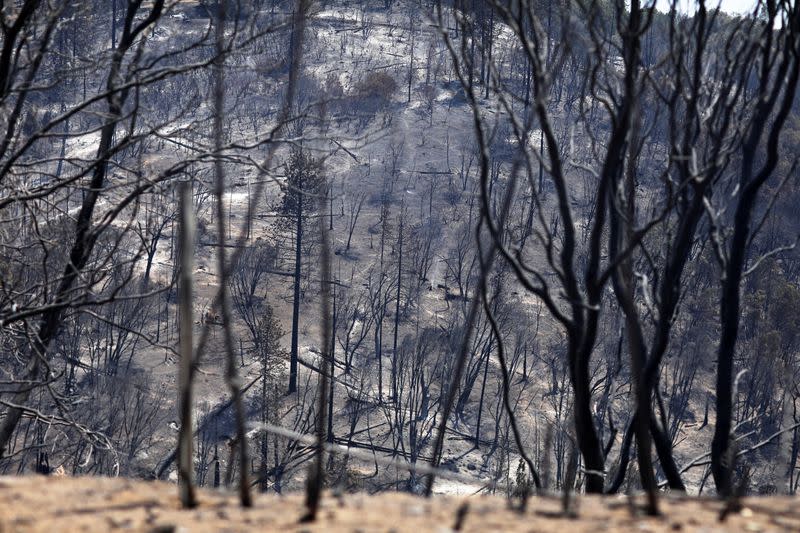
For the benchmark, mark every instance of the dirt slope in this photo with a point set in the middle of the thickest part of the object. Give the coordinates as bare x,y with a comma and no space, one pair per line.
102,504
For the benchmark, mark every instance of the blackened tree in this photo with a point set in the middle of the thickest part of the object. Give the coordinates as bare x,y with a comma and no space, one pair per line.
304,184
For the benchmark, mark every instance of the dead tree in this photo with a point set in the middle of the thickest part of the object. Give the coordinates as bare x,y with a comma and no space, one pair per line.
185,466
50,314
777,60
231,373
300,204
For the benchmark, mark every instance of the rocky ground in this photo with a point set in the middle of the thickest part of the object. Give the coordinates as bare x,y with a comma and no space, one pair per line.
29,504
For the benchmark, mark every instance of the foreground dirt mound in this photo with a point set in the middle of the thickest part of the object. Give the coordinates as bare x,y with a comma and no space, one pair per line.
101,504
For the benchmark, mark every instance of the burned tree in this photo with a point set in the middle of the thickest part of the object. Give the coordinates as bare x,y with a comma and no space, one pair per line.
303,187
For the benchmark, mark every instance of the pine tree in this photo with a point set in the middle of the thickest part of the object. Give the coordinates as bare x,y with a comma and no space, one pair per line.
271,355
305,186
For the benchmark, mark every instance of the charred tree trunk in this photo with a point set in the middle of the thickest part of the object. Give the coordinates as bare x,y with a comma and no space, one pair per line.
296,301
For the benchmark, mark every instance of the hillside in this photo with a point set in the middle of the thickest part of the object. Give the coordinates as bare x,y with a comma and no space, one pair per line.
532,243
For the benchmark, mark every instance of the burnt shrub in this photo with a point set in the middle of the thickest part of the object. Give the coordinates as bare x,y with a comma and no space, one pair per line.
374,92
